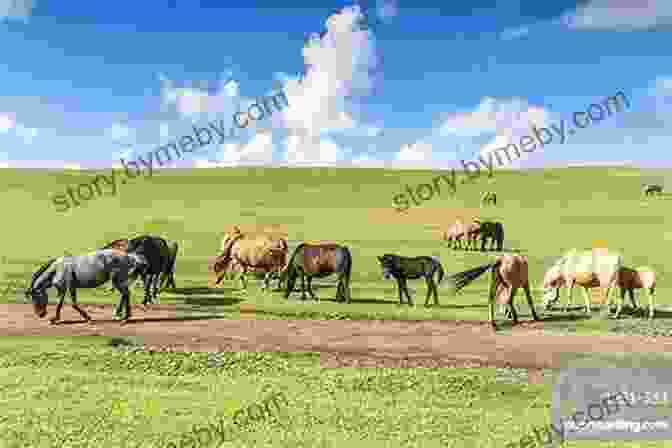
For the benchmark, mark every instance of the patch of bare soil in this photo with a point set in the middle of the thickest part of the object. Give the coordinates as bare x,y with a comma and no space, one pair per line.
340,343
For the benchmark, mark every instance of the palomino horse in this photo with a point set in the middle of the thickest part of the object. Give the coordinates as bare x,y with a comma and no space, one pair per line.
405,268
320,260
640,278
589,269
85,271
261,253
509,272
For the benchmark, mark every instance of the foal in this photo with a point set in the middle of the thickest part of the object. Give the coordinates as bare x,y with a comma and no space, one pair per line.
405,268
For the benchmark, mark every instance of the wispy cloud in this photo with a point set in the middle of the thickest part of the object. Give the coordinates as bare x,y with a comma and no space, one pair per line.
620,15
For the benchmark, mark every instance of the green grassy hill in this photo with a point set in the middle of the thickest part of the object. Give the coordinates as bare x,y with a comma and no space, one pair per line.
545,213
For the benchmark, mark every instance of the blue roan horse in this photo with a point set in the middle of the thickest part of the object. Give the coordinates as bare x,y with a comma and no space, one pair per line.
85,271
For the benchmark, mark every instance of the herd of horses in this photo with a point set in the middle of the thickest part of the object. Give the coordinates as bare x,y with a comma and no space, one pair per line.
153,259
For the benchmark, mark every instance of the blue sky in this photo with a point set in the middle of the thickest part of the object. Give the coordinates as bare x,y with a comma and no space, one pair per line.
377,83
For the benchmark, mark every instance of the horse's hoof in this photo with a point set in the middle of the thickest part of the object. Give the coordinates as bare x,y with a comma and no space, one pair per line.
124,321
53,321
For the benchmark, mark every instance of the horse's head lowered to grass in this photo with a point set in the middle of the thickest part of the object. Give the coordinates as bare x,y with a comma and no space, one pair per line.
36,292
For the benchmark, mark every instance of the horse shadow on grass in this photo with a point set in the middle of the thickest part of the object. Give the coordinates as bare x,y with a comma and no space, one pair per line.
563,317
212,301
139,320
200,290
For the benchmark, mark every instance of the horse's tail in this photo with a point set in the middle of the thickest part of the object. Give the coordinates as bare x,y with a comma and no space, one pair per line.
39,272
494,279
462,279
347,270
500,236
170,268
439,269
290,272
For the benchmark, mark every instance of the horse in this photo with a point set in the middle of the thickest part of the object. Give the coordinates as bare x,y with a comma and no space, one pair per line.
454,235
236,267
458,231
508,273
168,275
640,278
492,230
412,268
489,197
319,260
589,269
649,189
155,250
84,271
260,253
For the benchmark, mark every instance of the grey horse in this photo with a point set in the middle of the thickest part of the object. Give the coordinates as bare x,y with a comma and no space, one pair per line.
85,271
649,189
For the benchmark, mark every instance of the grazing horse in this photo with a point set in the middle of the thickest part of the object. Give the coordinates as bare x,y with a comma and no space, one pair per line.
156,252
319,260
489,197
84,271
491,230
650,189
589,269
260,253
412,268
509,272
458,231
454,235
640,278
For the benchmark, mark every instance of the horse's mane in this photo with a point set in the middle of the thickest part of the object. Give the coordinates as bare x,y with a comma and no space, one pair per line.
40,271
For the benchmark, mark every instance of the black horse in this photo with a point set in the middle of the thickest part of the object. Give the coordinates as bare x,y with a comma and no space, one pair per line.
158,255
494,231
412,268
650,189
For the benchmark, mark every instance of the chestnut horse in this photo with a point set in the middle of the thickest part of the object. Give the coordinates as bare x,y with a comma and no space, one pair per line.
320,260
641,278
509,272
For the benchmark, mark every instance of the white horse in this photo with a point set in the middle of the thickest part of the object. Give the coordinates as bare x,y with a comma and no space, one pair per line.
589,269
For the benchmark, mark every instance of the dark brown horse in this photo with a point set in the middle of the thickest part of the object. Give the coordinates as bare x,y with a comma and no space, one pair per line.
320,260
492,230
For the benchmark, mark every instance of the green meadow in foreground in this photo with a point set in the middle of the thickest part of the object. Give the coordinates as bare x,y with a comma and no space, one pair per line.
545,213
98,392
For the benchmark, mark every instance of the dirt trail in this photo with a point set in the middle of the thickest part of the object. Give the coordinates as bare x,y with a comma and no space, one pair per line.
340,342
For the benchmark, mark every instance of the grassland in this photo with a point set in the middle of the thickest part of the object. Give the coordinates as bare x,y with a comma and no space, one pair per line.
52,386
86,392
545,214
